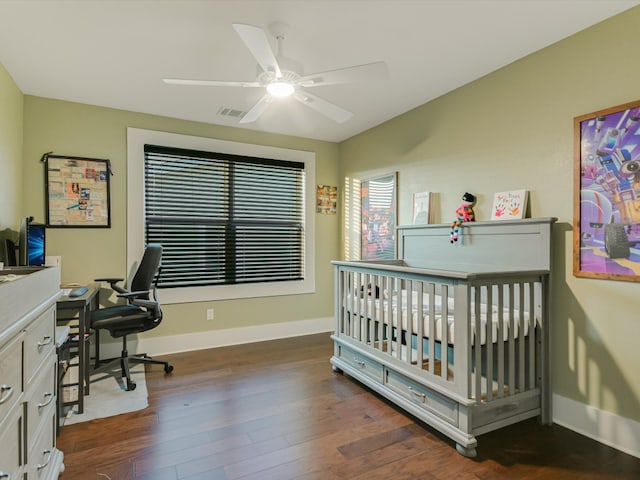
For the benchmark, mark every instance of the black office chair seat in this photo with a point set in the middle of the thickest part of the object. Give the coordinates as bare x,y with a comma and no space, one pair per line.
122,320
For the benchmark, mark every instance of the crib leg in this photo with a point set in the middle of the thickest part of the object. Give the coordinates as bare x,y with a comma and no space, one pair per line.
336,369
466,451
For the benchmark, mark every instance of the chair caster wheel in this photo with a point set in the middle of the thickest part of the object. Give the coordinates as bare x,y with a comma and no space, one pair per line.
131,386
168,368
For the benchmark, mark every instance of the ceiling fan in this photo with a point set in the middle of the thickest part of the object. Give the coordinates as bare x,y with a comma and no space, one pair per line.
282,77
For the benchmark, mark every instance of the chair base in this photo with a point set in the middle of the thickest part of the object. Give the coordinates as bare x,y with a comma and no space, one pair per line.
126,360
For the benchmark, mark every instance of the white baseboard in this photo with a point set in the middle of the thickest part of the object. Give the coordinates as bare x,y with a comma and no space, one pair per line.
613,430
217,338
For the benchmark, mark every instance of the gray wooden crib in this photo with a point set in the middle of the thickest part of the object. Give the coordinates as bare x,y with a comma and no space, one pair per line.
454,334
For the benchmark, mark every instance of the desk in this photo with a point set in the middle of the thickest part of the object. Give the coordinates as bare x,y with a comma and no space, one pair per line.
82,306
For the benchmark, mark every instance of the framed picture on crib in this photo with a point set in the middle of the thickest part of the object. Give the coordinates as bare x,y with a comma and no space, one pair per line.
511,205
378,210
606,194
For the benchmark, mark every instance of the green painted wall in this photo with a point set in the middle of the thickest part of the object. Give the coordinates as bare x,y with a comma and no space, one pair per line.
11,114
88,131
514,129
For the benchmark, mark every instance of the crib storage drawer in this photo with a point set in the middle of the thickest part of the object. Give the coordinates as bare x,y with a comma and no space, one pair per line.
422,396
364,364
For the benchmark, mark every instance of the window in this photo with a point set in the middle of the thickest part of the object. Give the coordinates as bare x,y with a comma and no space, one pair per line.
232,218
224,219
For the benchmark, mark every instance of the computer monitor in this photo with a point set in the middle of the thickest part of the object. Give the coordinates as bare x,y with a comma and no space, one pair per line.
31,245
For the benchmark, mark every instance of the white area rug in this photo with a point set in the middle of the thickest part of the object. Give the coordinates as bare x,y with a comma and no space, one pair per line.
108,396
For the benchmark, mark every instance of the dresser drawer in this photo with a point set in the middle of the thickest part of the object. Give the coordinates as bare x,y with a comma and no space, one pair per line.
364,364
11,456
42,456
41,394
39,343
422,396
10,374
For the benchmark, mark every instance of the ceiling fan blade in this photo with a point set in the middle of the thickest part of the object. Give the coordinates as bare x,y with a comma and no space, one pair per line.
328,109
359,73
256,41
257,110
209,83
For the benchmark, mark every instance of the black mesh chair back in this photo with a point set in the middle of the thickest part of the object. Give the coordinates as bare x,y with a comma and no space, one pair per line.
145,276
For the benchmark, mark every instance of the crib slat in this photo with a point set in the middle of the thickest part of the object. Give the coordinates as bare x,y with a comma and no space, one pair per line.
370,296
348,297
489,343
389,317
409,313
532,338
431,298
521,338
398,320
342,308
511,357
444,352
462,339
500,341
419,324
477,344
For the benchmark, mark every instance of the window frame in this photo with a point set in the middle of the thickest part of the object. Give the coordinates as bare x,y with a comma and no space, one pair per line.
137,138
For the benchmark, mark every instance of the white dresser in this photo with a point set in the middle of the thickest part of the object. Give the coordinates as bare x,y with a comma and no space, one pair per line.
28,375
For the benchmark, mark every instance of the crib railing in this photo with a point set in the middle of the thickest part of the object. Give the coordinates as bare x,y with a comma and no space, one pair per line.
478,335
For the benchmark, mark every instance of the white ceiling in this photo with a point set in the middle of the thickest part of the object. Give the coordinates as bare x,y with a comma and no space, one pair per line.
114,53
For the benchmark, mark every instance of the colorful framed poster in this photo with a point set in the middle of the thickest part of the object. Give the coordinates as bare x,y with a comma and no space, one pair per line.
606,217
77,192
378,218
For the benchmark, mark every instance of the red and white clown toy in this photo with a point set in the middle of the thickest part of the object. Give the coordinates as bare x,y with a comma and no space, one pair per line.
464,213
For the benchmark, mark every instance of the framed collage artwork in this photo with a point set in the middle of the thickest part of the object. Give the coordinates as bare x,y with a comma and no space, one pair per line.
77,192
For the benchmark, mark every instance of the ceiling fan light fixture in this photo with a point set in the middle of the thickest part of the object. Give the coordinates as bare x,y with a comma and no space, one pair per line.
280,89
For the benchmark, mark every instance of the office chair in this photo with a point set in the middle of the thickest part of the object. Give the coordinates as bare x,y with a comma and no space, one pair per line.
142,312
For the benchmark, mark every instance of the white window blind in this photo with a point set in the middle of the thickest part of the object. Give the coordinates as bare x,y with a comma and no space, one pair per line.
224,219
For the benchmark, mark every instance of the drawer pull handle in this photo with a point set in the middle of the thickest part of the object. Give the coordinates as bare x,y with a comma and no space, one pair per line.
3,397
49,399
47,340
421,396
5,475
44,465
359,362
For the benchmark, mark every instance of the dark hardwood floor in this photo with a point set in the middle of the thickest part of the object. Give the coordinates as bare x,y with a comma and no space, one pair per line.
276,411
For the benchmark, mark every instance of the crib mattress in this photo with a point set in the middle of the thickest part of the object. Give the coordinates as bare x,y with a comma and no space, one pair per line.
378,309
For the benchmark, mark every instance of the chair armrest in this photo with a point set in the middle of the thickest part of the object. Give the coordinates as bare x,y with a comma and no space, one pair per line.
127,294
109,280
112,282
134,299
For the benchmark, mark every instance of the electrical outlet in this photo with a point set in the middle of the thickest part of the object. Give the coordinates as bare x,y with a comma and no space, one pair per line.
210,314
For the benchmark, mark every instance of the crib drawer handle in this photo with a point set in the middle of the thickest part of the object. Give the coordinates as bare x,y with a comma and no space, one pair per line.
420,395
5,475
4,397
359,362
